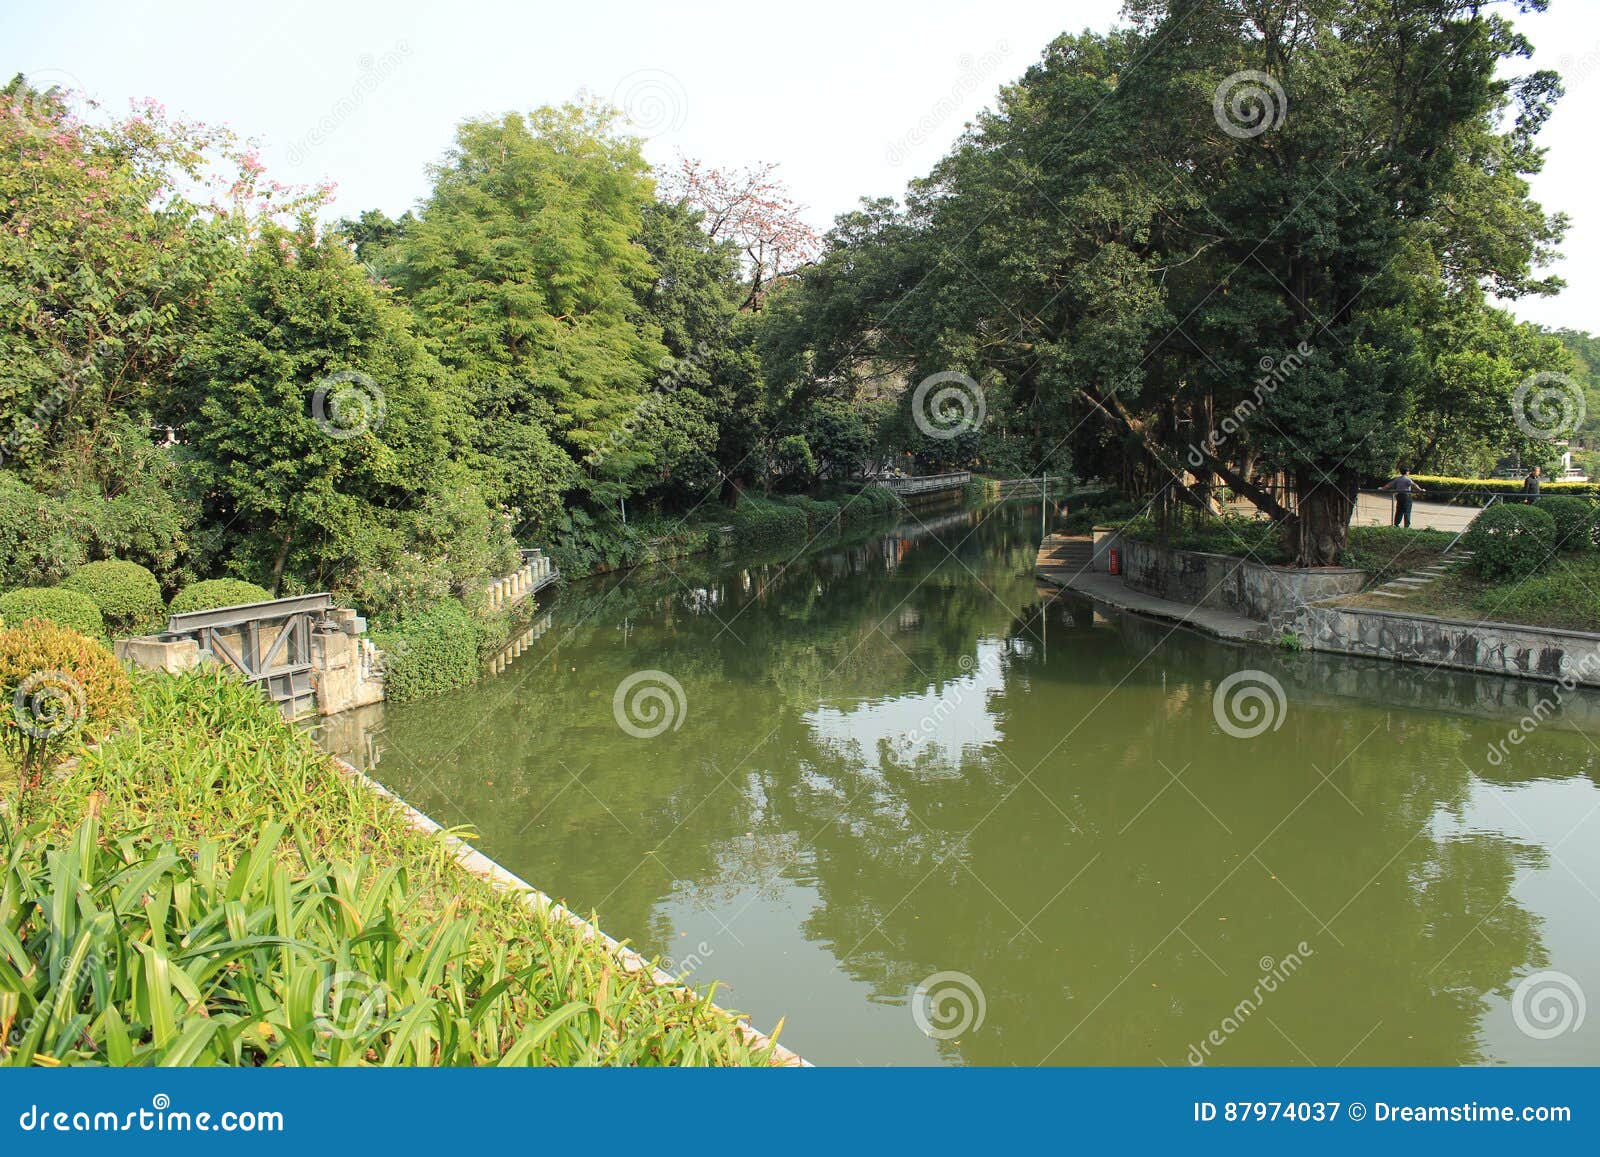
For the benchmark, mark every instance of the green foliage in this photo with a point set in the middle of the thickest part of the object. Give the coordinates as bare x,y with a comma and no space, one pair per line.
429,652
1577,521
1232,534
209,594
1475,491
348,938
128,595
1510,540
1566,595
66,608
60,689
39,540
760,521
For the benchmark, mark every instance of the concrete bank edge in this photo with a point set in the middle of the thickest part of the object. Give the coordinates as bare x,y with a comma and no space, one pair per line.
483,867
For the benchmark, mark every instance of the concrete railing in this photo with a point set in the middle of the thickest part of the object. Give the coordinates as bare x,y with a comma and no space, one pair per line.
535,573
927,482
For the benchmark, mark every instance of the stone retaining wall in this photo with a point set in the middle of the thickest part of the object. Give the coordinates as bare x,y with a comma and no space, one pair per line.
1500,648
1268,594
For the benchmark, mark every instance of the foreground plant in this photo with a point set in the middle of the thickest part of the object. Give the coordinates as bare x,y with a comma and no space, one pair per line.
186,921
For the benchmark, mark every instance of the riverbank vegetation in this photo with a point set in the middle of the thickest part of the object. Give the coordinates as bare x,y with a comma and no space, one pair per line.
204,887
561,346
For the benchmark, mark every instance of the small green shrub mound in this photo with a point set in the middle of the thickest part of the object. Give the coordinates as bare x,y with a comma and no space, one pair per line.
430,652
128,595
759,521
58,688
1576,521
214,593
63,607
1510,540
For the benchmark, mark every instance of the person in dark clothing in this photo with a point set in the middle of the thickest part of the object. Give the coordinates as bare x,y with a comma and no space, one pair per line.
1404,486
1530,485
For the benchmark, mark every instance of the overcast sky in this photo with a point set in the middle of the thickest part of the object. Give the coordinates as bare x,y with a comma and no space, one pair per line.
851,98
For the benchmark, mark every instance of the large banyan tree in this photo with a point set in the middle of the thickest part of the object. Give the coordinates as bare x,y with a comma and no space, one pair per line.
1232,239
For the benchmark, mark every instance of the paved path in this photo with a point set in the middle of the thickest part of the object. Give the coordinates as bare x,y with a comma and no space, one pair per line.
1378,510
1063,562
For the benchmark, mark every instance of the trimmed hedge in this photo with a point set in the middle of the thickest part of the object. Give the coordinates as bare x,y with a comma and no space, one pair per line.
1476,491
128,595
430,652
1575,518
65,608
214,593
758,521
1510,540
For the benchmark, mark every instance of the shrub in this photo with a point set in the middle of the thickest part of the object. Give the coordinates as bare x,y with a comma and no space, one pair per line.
59,688
128,595
38,544
1575,520
63,607
1476,491
213,593
1510,540
758,521
429,652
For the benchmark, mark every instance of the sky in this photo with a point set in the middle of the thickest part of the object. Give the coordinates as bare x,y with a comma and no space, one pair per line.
851,99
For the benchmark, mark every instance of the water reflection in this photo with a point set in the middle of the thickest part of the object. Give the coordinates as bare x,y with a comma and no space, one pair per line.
898,759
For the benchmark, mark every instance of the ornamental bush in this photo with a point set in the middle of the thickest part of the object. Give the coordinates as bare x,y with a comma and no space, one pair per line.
62,607
213,593
1576,521
128,595
60,688
429,652
1510,540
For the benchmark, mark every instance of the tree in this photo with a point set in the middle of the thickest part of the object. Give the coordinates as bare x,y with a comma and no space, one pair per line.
315,416
525,268
752,209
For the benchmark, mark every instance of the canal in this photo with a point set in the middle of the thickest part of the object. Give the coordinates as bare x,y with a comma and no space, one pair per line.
895,794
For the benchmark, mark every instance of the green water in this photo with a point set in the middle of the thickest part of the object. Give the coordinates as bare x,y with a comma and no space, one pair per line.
896,759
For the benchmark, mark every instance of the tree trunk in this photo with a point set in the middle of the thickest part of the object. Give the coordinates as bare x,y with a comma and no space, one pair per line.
1318,533
278,563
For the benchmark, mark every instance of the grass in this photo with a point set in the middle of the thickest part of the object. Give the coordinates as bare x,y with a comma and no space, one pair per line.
207,888
1564,595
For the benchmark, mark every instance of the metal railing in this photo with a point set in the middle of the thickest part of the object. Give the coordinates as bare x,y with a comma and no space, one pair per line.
268,643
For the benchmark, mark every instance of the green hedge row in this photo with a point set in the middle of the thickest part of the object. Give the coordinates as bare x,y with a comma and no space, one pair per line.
1475,491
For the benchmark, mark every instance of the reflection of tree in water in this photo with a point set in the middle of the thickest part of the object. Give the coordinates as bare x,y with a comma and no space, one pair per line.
1164,930
534,759
930,856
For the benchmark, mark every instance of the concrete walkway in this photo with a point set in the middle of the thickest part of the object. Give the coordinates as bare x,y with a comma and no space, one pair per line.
1053,567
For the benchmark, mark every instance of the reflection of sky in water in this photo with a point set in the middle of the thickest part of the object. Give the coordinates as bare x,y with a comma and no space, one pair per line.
1555,879
929,730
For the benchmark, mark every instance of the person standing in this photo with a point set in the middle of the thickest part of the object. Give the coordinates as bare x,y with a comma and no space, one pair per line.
1530,486
1404,486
